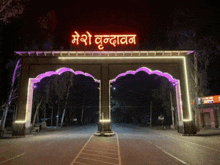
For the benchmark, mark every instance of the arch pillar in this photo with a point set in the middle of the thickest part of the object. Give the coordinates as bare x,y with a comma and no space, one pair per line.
104,125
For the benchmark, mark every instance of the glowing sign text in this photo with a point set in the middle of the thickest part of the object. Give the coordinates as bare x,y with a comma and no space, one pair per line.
101,40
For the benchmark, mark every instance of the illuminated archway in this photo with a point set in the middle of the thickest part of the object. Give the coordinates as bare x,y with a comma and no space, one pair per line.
31,86
173,81
104,65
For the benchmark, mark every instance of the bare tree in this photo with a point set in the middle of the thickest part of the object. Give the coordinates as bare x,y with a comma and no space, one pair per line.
70,83
53,91
12,95
11,8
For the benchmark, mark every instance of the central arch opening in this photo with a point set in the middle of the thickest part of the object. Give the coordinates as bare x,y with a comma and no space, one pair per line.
143,96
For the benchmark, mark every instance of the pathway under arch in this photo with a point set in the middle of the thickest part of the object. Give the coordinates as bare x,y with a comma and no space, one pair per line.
173,81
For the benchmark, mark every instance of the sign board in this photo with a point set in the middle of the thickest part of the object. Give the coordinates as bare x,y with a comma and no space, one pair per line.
209,100
101,40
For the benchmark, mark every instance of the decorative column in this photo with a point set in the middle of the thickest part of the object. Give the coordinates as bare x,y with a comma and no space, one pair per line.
179,107
22,127
104,125
29,105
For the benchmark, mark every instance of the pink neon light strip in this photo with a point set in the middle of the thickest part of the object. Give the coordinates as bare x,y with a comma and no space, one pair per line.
150,72
59,72
65,69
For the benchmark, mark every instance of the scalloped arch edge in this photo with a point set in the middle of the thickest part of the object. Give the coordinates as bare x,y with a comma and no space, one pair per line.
60,71
148,71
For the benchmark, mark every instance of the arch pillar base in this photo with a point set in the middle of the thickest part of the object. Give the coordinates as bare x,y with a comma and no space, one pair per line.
104,129
189,128
18,129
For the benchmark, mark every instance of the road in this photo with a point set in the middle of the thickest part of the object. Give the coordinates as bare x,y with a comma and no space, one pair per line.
132,145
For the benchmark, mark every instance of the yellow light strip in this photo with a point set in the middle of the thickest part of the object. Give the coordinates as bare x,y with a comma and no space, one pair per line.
27,103
20,121
180,101
108,120
105,120
100,104
109,99
187,91
151,57
121,57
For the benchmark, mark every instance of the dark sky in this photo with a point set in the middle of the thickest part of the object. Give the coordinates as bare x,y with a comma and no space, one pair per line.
142,17
150,20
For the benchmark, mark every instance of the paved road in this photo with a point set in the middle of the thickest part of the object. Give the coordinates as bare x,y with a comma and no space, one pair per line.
131,145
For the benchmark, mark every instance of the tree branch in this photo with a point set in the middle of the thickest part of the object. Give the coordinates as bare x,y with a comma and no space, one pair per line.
14,97
2,9
193,77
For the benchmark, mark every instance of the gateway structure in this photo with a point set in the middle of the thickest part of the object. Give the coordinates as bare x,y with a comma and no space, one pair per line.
104,67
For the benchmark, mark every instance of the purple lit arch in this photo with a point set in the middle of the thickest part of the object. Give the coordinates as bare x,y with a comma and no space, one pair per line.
59,72
173,81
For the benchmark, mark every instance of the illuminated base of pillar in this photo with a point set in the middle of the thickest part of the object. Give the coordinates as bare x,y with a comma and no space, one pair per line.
189,128
104,129
104,133
18,129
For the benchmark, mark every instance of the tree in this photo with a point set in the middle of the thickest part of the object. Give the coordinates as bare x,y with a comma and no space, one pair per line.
42,34
186,34
11,8
53,91
12,95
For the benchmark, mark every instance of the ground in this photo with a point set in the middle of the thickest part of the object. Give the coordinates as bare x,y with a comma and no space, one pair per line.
131,145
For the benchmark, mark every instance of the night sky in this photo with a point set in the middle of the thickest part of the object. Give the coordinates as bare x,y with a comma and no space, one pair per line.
150,20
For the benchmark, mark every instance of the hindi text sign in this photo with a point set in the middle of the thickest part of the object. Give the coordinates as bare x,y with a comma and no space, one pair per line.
101,40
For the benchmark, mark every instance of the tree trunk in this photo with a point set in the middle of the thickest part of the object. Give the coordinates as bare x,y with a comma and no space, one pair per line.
4,117
36,112
58,114
10,98
51,117
62,118
67,96
82,115
151,114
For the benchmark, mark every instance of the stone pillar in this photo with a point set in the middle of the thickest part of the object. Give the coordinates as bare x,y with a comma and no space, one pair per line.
104,125
20,123
18,129
29,106
179,108
22,127
189,128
